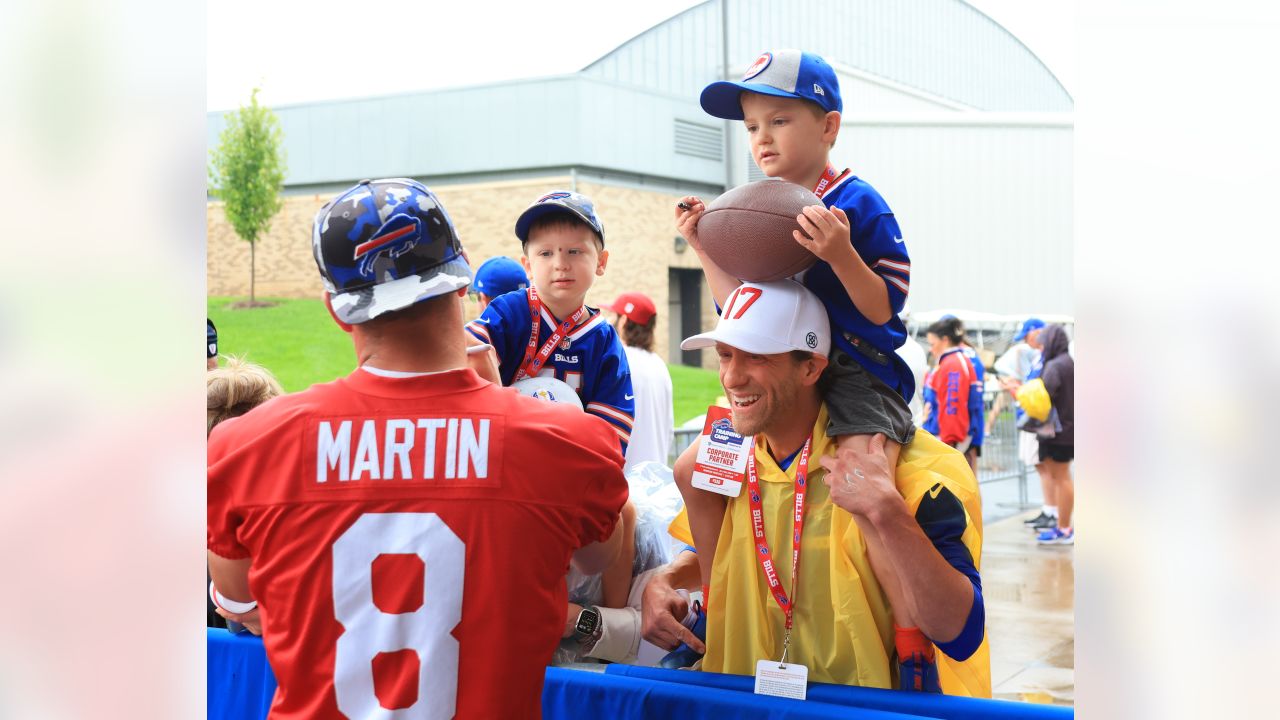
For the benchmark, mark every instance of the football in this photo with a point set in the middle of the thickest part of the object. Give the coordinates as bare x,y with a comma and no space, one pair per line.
549,389
747,231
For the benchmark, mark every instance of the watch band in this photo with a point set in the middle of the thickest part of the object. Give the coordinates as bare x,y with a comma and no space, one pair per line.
591,615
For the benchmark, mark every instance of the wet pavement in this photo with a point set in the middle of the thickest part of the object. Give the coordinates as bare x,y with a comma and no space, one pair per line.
1029,592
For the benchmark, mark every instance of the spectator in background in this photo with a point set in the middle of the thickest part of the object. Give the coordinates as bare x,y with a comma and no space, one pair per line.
211,346
914,355
948,418
237,388
1017,365
651,381
976,398
232,391
1056,453
498,276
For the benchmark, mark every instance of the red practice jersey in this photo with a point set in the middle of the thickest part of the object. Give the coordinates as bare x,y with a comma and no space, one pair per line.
951,381
410,539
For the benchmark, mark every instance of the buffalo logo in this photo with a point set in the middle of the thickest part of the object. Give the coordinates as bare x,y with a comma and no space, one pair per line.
395,238
722,432
758,66
811,340
553,196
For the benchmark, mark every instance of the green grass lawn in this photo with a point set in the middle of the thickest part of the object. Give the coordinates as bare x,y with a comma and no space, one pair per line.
298,342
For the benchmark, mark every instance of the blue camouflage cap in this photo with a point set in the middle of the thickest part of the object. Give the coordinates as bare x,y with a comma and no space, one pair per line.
560,201
384,245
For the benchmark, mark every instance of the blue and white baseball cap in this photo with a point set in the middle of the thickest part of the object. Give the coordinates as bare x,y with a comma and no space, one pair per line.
560,201
1028,326
499,276
782,73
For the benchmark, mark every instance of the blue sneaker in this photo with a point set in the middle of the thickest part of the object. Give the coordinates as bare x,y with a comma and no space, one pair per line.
1054,536
685,656
918,674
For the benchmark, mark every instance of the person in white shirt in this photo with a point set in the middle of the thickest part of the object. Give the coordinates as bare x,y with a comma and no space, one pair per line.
651,433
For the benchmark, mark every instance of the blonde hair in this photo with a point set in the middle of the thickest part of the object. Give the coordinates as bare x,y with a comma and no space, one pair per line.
236,388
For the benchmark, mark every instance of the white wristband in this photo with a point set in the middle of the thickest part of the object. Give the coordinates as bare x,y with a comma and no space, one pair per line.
226,603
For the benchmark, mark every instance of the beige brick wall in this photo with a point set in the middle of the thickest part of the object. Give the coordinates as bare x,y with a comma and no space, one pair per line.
639,235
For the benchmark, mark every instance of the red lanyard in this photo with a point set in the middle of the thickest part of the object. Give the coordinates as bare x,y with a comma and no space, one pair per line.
534,358
762,544
828,179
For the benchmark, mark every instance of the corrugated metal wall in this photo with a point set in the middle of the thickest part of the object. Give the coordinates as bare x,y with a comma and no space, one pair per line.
552,122
985,209
945,47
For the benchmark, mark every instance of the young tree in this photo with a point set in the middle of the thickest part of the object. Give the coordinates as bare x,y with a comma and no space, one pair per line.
246,171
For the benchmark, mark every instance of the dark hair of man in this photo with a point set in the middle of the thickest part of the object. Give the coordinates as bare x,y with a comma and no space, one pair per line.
637,335
824,382
412,312
560,219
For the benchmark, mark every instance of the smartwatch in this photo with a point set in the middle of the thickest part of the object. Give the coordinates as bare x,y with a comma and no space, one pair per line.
588,628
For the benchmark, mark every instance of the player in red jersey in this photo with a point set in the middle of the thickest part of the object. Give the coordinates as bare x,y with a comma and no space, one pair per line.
405,530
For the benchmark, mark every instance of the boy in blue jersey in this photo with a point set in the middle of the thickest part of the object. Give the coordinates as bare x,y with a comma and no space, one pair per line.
789,102
546,330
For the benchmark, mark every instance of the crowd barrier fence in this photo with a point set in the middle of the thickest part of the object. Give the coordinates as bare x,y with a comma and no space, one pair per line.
241,684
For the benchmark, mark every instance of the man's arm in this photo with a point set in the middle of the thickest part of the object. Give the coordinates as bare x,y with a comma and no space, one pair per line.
231,579
594,558
661,607
940,598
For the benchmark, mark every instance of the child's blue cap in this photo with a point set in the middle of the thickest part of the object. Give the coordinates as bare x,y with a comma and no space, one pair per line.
784,73
564,202
1028,326
499,276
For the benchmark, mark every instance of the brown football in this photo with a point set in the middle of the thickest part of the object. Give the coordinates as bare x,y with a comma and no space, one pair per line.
747,231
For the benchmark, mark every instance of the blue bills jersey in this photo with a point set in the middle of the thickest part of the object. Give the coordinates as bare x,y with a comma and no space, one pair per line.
591,360
878,241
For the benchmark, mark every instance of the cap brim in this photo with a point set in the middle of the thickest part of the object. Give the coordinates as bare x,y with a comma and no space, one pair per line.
720,99
359,306
533,213
747,342
1019,336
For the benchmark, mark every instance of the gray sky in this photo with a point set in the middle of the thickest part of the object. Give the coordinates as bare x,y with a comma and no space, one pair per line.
299,52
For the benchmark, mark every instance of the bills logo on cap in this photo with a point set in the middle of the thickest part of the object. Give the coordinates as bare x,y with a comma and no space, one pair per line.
758,66
398,236
553,196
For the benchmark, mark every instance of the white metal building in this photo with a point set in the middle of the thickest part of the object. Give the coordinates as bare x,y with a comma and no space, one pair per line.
966,134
